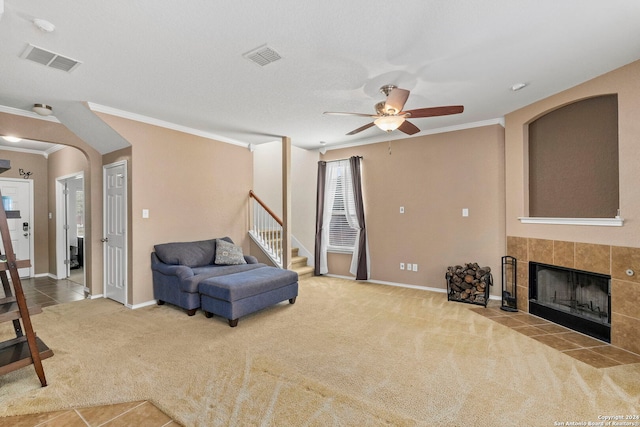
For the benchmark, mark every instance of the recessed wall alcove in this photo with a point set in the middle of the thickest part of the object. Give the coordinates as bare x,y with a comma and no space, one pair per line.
573,160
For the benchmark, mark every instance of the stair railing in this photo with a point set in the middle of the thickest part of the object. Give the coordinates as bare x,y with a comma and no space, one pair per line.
266,229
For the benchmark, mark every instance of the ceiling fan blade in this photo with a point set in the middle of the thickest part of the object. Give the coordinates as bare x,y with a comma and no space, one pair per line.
395,101
408,128
435,111
361,128
338,113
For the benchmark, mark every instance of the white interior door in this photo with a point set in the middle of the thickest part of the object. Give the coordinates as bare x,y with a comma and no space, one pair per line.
20,193
115,231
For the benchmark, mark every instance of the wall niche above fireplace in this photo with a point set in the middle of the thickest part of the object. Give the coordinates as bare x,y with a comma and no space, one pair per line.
573,160
577,299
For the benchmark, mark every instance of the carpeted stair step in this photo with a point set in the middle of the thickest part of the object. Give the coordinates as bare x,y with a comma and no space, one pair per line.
298,261
304,272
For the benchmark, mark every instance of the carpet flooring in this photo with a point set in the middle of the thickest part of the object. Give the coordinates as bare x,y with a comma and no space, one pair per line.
347,353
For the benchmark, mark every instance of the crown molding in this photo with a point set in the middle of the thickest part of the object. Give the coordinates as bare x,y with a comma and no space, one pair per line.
24,113
161,123
45,154
385,138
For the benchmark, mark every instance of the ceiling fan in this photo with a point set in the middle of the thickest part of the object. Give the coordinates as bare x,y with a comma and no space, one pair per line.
390,116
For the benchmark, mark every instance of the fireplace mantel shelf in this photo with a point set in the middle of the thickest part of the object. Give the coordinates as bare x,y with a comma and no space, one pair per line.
608,222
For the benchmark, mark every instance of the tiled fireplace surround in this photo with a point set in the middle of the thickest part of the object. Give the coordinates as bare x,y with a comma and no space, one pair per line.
611,260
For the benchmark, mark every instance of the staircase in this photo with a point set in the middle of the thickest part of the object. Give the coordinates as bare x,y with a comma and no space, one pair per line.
299,265
266,232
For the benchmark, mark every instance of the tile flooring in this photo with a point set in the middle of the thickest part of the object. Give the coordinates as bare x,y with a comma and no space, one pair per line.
142,413
45,292
591,351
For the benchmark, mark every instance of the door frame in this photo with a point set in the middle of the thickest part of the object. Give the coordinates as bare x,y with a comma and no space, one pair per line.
31,223
125,263
62,247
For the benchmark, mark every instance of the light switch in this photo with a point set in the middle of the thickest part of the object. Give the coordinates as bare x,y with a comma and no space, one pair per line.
465,212
145,213
401,209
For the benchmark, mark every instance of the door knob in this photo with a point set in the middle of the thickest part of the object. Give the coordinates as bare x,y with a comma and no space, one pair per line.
106,239
26,234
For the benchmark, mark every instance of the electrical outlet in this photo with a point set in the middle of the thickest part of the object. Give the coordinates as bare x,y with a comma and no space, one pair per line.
415,267
409,266
145,213
402,266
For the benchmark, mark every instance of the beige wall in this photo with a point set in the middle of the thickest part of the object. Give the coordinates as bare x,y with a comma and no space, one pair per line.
37,165
267,184
48,131
195,188
624,82
434,177
267,175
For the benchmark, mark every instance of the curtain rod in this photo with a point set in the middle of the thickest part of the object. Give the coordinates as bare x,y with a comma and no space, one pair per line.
340,160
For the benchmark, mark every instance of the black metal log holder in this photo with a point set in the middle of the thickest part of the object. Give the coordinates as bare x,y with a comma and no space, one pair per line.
509,284
469,283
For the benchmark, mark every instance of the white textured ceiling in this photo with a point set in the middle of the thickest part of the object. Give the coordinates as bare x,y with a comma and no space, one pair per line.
181,61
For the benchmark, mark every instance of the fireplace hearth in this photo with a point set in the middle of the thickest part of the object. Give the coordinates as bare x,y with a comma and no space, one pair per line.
579,300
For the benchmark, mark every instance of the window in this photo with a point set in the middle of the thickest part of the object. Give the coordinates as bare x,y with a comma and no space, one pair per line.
342,237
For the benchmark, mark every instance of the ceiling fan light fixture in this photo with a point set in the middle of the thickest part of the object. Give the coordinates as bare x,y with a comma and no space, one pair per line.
42,109
389,123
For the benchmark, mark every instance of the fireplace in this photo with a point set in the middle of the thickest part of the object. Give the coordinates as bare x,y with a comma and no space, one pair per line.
579,300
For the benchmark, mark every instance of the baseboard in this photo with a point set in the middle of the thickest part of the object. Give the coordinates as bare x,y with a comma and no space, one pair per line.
403,285
96,296
141,305
49,275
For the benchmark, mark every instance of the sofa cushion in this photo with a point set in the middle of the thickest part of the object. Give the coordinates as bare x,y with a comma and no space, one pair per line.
190,284
191,254
233,287
228,253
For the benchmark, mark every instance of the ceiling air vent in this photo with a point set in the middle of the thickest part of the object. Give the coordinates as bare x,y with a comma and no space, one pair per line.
49,59
262,56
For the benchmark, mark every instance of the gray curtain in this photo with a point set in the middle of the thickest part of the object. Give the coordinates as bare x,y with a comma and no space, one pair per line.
362,250
322,167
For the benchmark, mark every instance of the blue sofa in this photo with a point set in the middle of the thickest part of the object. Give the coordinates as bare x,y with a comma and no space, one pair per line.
179,267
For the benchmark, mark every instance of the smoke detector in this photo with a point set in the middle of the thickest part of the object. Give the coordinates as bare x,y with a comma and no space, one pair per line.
44,25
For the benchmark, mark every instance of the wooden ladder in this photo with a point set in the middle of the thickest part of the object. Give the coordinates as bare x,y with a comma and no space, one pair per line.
25,348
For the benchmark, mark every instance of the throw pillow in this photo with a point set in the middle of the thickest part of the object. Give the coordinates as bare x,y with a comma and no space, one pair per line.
228,253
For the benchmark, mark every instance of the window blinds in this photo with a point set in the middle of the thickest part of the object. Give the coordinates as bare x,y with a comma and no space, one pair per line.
341,235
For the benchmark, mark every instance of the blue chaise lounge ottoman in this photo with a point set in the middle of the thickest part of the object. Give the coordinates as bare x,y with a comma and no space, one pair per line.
235,295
